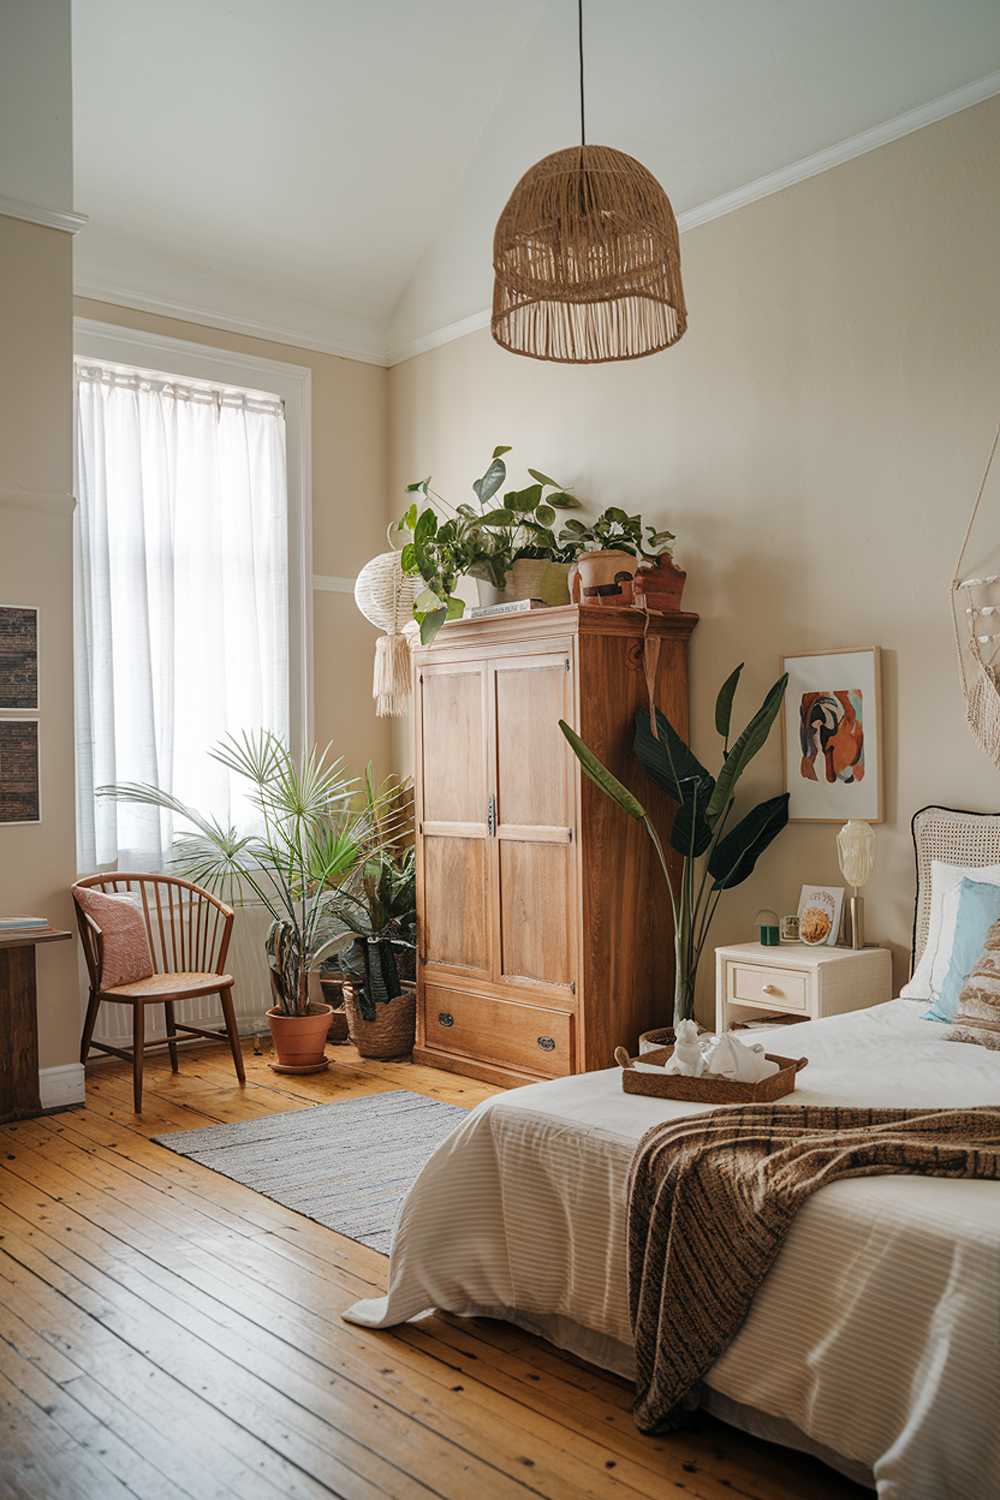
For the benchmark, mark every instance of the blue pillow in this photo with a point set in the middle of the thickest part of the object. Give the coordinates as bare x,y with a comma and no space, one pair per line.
978,909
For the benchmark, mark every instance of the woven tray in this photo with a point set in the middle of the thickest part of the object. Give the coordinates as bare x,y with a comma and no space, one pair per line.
710,1090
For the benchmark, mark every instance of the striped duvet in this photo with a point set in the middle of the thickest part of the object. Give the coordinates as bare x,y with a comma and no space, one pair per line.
875,1339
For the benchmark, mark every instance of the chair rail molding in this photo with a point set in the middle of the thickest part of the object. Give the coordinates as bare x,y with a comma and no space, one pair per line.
37,213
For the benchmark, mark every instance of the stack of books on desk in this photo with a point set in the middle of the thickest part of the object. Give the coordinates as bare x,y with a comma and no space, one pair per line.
21,924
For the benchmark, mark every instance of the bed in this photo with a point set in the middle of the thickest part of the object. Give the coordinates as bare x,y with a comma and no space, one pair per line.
874,1343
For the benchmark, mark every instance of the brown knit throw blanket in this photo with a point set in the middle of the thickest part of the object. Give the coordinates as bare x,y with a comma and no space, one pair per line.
711,1198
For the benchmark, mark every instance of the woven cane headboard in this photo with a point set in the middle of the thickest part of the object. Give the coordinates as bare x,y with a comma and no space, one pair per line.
956,838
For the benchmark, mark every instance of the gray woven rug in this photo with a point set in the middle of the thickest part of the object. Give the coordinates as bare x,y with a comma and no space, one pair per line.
348,1166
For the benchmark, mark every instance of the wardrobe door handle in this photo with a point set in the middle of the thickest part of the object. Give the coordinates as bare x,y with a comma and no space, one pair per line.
547,1043
445,1019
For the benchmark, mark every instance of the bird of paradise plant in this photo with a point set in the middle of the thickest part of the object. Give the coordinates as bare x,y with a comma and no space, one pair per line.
704,806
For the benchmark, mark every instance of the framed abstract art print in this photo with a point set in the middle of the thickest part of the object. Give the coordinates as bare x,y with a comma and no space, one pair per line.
832,736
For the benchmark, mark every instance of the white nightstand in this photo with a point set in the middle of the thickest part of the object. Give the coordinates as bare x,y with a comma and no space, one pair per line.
752,981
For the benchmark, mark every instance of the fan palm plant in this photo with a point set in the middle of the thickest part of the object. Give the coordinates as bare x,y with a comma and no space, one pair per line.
316,837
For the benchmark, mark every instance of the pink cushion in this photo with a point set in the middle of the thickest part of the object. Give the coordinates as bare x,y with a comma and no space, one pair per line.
127,956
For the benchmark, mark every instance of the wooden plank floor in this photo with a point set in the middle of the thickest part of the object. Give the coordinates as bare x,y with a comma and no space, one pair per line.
166,1333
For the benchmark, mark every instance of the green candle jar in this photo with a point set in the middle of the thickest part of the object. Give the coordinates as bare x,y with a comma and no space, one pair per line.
768,929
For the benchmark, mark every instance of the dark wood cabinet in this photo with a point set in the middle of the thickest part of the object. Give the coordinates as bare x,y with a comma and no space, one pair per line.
544,933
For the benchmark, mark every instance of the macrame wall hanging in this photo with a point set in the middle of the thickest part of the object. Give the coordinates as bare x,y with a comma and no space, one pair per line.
975,609
384,594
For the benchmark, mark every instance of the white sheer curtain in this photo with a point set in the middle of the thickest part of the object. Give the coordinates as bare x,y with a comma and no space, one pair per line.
181,598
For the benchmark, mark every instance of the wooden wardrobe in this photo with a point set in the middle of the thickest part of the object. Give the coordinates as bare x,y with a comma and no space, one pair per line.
544,932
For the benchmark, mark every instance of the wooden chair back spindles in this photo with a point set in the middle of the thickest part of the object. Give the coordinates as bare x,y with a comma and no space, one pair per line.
189,933
189,929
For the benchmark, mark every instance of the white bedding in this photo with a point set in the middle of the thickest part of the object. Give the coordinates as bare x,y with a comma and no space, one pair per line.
875,1334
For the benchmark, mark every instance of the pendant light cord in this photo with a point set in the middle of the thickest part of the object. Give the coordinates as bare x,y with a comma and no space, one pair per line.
579,18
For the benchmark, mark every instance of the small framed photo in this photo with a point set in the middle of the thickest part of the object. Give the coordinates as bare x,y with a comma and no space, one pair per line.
831,735
789,928
820,908
18,657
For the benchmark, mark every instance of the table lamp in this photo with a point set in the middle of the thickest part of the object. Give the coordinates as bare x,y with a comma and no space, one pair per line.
856,855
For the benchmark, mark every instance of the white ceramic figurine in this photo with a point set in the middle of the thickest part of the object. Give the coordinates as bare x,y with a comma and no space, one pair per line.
687,1059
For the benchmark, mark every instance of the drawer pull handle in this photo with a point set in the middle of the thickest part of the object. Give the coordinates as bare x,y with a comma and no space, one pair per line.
446,1019
771,989
547,1043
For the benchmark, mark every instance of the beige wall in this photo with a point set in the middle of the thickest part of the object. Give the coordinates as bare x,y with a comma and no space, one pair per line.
37,861
349,464
815,441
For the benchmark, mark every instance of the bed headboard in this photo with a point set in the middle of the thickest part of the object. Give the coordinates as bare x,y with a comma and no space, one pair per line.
956,838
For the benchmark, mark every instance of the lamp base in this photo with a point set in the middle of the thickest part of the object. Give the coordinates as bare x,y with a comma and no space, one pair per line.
856,922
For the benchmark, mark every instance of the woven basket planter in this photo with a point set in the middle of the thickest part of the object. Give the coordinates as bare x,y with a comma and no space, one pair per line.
392,1032
530,578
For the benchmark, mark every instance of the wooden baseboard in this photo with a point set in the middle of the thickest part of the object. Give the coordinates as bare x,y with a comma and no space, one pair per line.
505,1078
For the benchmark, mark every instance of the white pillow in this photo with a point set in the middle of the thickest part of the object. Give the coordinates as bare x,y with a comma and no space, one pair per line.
933,966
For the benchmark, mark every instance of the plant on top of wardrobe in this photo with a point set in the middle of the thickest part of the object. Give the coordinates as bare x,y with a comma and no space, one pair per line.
478,541
615,530
712,859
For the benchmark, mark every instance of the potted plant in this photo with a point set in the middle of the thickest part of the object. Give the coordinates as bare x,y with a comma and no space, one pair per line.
314,839
376,941
615,562
509,548
709,859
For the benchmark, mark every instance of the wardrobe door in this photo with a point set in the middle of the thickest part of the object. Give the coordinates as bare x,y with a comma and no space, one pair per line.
533,868
453,871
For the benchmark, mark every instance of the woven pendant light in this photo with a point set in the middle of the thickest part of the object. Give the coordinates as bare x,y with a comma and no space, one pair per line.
384,594
586,258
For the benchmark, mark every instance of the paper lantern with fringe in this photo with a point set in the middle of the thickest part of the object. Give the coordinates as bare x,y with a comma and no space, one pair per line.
385,594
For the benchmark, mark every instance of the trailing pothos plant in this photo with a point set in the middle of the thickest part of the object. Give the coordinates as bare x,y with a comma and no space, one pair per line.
615,530
714,856
483,540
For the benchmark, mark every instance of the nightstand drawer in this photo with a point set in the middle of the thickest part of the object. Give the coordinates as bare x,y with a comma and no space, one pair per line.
758,986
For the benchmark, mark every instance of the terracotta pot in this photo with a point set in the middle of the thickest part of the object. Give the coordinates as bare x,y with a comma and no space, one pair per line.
604,577
660,584
393,1030
530,578
299,1040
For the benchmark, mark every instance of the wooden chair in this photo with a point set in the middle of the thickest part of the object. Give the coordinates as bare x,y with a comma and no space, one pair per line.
189,932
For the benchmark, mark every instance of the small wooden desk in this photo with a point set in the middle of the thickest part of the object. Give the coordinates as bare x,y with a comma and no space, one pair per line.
19,1097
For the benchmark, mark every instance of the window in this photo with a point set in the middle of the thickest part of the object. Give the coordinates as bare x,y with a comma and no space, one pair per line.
189,607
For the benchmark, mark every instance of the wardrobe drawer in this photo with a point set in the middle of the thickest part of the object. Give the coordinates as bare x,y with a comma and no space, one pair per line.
527,1037
784,988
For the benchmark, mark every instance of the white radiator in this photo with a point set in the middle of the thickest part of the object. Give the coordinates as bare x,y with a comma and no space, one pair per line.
246,961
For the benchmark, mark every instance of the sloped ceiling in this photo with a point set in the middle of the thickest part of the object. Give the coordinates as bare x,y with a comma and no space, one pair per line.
329,172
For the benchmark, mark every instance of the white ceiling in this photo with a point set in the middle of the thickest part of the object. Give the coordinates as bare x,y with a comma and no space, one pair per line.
330,170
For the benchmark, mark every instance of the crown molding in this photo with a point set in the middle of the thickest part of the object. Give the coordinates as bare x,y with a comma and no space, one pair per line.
120,296
930,113
36,213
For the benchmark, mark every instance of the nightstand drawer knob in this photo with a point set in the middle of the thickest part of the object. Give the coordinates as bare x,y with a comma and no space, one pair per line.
445,1019
547,1043
771,989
